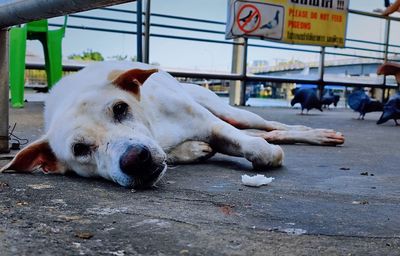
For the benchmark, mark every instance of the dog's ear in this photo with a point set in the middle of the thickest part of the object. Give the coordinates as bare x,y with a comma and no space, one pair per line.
131,80
36,155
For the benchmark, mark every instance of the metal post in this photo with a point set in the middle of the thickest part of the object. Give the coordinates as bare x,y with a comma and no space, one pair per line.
139,31
244,74
239,58
146,49
4,91
385,54
321,72
19,12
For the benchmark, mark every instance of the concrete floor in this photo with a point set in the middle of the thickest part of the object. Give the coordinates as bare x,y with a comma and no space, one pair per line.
322,202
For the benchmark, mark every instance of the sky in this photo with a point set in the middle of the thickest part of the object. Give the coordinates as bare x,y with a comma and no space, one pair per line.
188,55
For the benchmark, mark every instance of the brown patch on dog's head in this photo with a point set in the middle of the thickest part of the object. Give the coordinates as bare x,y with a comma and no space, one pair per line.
131,80
36,155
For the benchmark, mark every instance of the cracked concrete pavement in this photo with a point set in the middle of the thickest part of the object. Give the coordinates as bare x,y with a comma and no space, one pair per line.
324,201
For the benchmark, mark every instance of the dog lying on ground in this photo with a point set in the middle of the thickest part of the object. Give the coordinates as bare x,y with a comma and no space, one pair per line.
125,121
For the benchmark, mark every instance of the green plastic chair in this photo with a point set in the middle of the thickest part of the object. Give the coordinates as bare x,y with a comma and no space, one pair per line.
51,41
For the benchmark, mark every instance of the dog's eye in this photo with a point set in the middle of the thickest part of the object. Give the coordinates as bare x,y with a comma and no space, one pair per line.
120,110
81,149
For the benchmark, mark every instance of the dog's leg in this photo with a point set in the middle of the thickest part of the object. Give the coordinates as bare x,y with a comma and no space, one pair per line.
189,152
239,118
243,119
228,140
315,137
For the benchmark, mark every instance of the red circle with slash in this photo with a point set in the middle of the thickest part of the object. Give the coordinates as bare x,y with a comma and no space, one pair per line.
243,23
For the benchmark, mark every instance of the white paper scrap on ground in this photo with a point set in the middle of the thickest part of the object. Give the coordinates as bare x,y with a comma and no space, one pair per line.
256,181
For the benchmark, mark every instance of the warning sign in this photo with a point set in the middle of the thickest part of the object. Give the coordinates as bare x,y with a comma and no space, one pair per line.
259,20
317,22
248,18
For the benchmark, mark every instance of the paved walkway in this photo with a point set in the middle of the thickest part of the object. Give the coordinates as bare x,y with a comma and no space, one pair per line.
324,201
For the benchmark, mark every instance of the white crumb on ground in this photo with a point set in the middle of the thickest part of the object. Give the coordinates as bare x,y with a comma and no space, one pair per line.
256,181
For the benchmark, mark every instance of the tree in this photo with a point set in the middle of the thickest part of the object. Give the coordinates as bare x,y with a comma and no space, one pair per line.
87,55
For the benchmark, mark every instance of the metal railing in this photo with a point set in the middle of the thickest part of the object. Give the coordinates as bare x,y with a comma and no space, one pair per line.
11,15
239,76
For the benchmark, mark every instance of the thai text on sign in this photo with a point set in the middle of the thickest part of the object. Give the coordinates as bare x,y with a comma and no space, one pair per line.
313,22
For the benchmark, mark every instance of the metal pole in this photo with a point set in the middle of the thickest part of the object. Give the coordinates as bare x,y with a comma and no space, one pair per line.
385,54
321,72
4,91
139,31
244,73
146,49
238,58
13,12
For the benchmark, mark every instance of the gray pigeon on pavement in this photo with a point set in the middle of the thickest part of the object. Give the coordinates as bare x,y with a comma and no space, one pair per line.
391,110
308,99
360,102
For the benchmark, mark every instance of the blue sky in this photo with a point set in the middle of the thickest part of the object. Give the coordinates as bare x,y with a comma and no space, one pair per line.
198,55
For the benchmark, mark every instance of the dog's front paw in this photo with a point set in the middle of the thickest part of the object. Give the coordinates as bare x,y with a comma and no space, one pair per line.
200,151
189,152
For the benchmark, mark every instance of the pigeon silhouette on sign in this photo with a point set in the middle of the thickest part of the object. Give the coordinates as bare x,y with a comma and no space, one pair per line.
272,23
245,18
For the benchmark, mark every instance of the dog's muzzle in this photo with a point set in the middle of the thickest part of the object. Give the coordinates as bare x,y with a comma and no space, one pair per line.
138,163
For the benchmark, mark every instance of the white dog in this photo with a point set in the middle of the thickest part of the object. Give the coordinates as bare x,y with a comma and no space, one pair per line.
125,121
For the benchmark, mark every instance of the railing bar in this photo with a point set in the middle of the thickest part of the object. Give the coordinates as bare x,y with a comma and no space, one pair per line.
362,49
194,39
151,24
363,41
152,34
79,16
233,77
282,48
188,19
116,10
95,29
393,60
189,29
353,55
374,15
168,16
371,42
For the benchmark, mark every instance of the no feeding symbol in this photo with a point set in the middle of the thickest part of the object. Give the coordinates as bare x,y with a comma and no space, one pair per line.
248,18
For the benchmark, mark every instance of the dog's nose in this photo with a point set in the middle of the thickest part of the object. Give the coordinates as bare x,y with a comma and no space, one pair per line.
136,160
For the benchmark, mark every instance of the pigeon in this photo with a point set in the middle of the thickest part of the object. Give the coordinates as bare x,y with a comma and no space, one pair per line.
272,23
359,101
308,99
330,98
391,110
